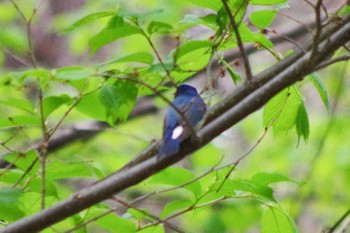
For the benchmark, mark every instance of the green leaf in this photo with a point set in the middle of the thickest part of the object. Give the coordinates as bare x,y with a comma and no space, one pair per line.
139,215
89,18
72,73
51,103
251,187
175,176
159,228
266,2
141,57
22,104
139,14
23,161
282,109
159,27
112,222
115,30
276,221
193,55
322,91
265,178
10,206
234,75
249,36
91,105
19,120
262,19
302,123
211,4
118,99
67,169
174,207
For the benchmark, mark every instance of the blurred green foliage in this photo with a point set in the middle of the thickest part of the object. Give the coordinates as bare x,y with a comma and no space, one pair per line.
116,51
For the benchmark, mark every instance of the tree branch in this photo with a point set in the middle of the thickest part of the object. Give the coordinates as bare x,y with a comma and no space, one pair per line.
291,72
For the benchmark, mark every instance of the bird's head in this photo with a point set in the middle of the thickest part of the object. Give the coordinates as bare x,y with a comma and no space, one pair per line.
185,89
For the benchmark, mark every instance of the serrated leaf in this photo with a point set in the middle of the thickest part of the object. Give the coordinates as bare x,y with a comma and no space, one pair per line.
276,221
265,178
10,210
23,161
320,88
249,36
68,169
72,73
175,176
51,103
234,75
262,19
141,57
282,109
211,4
266,2
88,19
115,30
111,222
174,207
193,55
139,215
91,105
234,187
302,123
19,120
159,228
118,99
159,27
22,104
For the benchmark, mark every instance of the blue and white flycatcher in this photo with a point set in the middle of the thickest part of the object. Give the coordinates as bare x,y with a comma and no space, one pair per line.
176,129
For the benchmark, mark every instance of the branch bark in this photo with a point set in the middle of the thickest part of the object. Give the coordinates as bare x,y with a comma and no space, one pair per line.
290,71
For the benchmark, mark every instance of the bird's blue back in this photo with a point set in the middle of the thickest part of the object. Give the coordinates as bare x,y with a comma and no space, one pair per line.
193,108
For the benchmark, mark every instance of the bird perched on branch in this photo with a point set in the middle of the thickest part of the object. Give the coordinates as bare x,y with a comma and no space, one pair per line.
182,115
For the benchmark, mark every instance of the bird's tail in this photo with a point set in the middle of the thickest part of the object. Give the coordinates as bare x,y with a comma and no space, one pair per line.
169,147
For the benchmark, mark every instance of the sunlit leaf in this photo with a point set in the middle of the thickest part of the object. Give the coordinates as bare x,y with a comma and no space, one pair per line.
211,4
159,27
72,73
282,109
141,57
22,104
20,120
118,99
262,19
276,221
264,178
266,2
302,123
51,103
174,207
10,206
115,30
193,55
89,18
91,105
175,176
320,88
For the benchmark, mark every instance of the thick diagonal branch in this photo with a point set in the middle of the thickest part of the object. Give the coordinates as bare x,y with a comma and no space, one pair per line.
123,179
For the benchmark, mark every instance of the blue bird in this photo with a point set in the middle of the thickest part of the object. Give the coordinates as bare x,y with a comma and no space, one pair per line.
176,129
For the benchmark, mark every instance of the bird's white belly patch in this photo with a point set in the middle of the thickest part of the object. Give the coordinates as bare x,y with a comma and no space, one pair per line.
177,132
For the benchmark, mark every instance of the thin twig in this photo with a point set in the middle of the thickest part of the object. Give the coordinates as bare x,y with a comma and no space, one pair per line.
337,223
247,67
332,61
